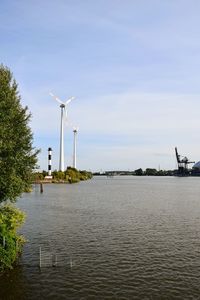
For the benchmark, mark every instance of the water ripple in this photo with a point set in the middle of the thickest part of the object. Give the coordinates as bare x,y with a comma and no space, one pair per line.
126,238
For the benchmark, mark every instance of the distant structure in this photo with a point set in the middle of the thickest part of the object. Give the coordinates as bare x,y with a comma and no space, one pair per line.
49,176
182,164
49,161
196,169
63,106
75,131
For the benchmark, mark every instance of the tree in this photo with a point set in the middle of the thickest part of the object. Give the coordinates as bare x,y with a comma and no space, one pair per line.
17,156
139,172
151,172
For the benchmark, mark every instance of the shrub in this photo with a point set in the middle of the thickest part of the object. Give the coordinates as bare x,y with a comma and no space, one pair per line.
11,243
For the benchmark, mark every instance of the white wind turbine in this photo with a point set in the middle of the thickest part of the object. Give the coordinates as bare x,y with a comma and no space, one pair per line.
63,106
75,131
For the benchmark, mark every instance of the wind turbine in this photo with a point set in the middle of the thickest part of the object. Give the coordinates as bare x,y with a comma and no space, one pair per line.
75,131
63,106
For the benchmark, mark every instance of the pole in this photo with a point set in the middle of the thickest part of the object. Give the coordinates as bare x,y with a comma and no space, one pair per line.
41,188
71,263
40,256
54,260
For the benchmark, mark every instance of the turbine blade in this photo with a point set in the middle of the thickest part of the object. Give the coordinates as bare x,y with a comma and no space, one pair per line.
65,113
56,98
68,122
66,119
69,100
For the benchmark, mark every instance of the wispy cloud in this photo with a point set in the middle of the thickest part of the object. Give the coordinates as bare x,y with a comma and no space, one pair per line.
133,66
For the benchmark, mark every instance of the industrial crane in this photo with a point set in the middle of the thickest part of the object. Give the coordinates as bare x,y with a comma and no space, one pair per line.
182,164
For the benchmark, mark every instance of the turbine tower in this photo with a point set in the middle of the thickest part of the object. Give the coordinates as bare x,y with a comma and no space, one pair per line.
75,131
63,106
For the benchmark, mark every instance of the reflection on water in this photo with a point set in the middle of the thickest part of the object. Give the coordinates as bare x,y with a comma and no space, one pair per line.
128,238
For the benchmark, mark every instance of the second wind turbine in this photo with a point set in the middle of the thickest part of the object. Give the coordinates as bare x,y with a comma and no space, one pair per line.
63,106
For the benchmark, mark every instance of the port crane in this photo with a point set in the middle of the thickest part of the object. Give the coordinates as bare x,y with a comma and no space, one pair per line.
183,163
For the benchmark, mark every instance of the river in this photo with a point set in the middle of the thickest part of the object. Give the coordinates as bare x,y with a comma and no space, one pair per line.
110,238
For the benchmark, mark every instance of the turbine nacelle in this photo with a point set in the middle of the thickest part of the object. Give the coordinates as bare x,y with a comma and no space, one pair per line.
75,129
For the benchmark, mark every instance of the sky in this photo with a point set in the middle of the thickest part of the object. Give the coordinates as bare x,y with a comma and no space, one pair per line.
133,66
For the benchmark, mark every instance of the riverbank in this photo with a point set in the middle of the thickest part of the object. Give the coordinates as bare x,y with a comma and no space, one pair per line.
70,175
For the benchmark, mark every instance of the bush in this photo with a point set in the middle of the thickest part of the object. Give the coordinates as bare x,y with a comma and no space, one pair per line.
11,243
71,175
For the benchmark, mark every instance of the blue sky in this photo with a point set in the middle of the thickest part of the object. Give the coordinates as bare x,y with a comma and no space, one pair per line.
134,67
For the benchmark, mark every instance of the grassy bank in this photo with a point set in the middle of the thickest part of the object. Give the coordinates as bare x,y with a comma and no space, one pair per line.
70,175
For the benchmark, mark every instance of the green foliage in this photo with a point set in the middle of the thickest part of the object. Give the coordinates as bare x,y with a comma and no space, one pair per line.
44,173
85,175
37,176
151,172
71,175
11,219
139,172
17,156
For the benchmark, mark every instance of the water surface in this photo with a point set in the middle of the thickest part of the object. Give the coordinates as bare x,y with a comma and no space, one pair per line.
115,238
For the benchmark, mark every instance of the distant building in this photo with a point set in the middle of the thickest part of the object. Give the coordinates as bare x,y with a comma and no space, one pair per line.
196,169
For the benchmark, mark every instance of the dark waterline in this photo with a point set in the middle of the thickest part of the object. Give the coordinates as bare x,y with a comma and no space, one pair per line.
127,238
